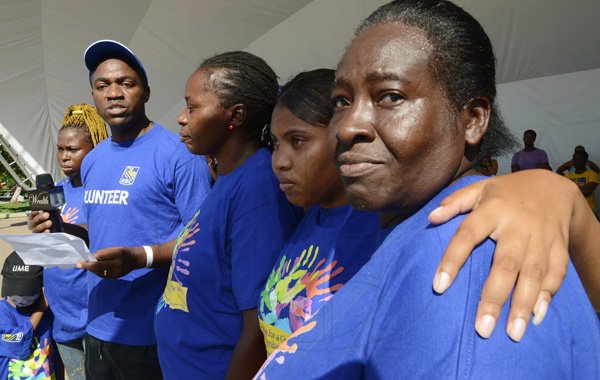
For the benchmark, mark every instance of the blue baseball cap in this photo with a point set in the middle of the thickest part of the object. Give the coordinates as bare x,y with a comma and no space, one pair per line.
102,50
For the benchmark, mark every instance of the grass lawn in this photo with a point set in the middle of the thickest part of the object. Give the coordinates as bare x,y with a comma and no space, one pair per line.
15,207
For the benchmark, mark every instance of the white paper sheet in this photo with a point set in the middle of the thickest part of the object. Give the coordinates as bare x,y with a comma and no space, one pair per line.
49,250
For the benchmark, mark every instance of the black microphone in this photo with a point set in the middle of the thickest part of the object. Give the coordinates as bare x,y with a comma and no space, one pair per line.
49,198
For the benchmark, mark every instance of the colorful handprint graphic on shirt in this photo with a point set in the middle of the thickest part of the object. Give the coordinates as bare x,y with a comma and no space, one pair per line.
175,294
69,214
37,366
294,292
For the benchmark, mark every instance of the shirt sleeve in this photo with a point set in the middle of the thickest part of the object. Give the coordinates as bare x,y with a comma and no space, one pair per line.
16,339
543,157
191,185
259,238
593,177
261,222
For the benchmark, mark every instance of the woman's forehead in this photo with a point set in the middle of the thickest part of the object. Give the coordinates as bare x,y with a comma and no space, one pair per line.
71,132
387,47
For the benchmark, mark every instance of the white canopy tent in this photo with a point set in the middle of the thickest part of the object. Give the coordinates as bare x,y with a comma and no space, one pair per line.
548,58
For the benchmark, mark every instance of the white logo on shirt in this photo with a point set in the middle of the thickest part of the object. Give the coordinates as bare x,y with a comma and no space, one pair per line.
106,197
129,175
12,338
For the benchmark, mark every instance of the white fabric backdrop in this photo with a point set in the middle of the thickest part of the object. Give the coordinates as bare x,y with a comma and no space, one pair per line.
564,110
548,57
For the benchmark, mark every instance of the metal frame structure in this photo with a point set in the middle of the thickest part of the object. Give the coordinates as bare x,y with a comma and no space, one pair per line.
26,182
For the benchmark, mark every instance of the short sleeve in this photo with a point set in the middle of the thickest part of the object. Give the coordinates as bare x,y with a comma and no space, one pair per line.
16,337
259,237
191,185
261,221
593,177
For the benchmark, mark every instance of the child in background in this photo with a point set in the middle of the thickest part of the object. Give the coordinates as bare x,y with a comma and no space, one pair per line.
27,350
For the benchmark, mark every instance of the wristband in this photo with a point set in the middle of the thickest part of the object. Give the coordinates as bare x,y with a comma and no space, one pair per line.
149,255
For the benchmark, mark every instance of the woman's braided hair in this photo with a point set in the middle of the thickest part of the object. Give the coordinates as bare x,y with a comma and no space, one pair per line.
85,118
247,80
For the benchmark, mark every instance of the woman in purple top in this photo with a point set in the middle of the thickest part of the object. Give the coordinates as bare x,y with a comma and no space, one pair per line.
529,157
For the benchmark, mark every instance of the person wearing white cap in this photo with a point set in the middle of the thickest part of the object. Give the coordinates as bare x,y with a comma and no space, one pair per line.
139,187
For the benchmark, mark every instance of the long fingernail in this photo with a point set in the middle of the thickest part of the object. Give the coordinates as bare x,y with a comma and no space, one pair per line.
441,282
516,329
539,311
437,209
485,325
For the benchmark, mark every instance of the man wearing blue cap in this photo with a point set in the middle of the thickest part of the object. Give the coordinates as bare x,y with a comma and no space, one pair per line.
140,186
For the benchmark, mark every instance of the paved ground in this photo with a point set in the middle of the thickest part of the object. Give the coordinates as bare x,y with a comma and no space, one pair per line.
10,226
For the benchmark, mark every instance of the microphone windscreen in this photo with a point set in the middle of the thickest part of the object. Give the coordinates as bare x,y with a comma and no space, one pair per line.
44,182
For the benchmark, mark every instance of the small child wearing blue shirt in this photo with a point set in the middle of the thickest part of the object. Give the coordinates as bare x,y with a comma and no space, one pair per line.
27,350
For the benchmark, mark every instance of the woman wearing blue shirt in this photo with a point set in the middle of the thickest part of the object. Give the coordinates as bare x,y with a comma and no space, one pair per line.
414,108
66,289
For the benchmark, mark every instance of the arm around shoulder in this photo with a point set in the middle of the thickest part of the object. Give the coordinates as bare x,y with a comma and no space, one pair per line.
584,241
513,210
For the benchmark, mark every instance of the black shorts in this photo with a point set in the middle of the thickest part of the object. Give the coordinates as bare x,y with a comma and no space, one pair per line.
114,361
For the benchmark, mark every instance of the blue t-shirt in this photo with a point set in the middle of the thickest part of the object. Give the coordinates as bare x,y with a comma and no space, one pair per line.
66,289
24,353
326,250
221,263
137,192
388,323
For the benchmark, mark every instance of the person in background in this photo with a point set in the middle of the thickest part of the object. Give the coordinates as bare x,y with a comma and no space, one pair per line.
27,350
585,179
396,112
66,289
488,166
140,186
568,166
529,157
